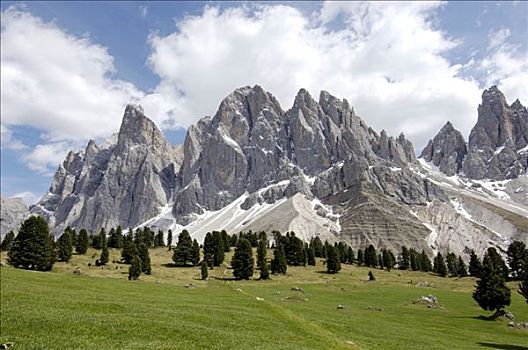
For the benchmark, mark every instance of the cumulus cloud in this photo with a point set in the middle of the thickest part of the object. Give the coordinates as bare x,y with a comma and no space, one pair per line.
28,197
45,158
9,141
387,60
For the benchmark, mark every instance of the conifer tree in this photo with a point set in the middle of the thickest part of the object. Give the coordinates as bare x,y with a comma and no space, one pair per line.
204,270
425,262
387,261
225,240
143,254
461,267
278,263
404,263
159,239
491,292
333,262
169,239
32,248
350,256
318,247
310,256
129,249
475,266
134,270
115,238
219,253
414,259
262,262
65,246
242,261
7,242
439,266
497,261
523,286
183,253
371,276
517,255
83,241
105,257
451,263
360,258
195,253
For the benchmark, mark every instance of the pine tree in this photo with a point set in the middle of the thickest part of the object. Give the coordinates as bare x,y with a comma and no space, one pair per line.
105,256
183,253
387,261
159,239
7,242
243,261
83,241
129,249
195,253
310,256
65,246
262,262
523,286
451,263
491,292
143,254
134,270
360,258
350,256
115,238
517,254
404,263
461,267
333,262
32,248
219,253
225,240
439,265
425,262
278,263
475,266
371,257
204,270
497,261
318,247
169,239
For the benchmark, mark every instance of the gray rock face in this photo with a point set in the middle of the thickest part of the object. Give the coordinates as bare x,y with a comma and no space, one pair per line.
447,150
122,182
12,212
319,147
498,140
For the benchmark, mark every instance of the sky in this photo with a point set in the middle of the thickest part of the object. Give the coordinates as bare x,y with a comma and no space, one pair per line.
68,69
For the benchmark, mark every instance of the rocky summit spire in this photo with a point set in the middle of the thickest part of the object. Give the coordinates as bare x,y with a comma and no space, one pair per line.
446,150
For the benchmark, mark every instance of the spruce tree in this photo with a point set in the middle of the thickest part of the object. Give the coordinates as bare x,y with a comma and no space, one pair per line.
169,240
517,255
351,258
115,238
404,262
318,247
360,258
425,262
333,262
129,249
461,267
219,253
83,241
439,266
491,292
134,270
204,270
243,261
143,254
523,286
475,266
225,240
310,256
32,248
7,241
105,256
159,239
195,253
278,263
183,253
451,263
65,246
387,261
262,262
497,261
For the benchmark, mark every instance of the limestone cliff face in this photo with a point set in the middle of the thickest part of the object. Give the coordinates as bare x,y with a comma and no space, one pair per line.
12,212
122,182
447,150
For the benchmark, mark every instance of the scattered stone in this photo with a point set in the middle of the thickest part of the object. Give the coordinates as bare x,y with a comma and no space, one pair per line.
430,301
509,315
340,307
189,285
425,284
297,289
374,308
259,299
6,345
2,264
518,325
77,271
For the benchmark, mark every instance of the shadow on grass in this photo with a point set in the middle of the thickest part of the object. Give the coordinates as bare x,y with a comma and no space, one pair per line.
502,346
174,265
224,278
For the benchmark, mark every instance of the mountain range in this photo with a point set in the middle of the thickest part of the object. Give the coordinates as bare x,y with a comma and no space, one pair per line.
316,169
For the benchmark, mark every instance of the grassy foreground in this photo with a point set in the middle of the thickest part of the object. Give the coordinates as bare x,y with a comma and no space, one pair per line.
101,309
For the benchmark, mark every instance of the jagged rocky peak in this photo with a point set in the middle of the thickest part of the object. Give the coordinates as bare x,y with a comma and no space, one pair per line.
446,150
496,140
123,181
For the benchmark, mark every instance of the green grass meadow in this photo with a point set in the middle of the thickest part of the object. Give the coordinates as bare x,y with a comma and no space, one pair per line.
101,309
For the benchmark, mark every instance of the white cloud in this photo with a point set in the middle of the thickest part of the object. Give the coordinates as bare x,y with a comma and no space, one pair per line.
45,158
9,141
28,197
143,10
387,60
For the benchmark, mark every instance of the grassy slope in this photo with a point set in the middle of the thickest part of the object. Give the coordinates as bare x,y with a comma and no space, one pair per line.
101,309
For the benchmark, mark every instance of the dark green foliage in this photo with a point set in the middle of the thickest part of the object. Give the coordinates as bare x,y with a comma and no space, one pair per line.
342,248
497,261
169,239
144,257
129,249
451,263
195,253
461,267
204,270
360,258
251,236
310,256
371,257
134,270
317,245
115,238
439,265
262,262
95,241
32,248
183,253
103,260
517,255
243,261
351,258
219,254
159,242
371,276
278,263
233,240
425,262
7,241
491,292
414,259
226,241
82,243
405,259
333,261
523,286
475,266
294,249
65,246
388,259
